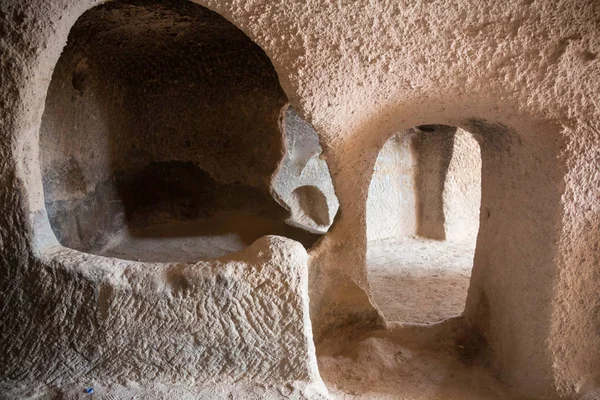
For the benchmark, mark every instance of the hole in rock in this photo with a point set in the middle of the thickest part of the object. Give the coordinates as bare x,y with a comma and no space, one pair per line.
161,136
425,128
422,223
312,204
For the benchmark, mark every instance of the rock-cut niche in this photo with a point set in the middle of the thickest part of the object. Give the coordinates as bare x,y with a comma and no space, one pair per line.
161,135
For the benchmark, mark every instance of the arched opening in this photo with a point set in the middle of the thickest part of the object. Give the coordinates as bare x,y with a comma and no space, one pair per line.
422,223
161,134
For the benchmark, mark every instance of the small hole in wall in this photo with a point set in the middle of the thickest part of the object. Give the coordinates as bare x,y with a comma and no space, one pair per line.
313,204
161,134
79,75
426,128
422,222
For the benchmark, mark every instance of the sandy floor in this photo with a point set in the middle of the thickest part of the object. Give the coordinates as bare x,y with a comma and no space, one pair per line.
189,241
419,280
416,363
413,281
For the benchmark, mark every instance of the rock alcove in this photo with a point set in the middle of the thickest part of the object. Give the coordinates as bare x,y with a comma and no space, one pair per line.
163,131
148,137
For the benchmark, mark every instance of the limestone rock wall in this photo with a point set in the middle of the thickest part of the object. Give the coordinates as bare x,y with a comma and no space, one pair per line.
462,189
522,75
302,183
392,200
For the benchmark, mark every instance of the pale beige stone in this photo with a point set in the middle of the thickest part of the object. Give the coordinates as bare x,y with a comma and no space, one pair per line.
522,76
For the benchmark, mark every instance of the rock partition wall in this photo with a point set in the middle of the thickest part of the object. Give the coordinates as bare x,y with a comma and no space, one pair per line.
462,189
519,75
121,323
302,183
434,146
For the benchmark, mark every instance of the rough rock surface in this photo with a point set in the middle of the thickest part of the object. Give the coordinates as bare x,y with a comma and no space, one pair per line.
434,147
418,280
521,75
407,363
462,189
103,322
302,182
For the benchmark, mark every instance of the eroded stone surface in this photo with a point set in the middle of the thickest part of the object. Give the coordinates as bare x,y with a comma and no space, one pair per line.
462,189
520,74
392,198
240,318
303,183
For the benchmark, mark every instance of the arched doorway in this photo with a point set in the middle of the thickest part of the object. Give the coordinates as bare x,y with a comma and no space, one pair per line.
422,222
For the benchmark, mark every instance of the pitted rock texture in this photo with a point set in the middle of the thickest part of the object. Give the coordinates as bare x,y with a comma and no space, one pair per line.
240,318
522,76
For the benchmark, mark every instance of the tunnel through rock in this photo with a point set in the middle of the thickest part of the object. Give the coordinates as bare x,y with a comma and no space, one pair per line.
161,136
422,222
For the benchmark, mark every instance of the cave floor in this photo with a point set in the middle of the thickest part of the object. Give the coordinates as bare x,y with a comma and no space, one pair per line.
408,363
422,285
189,241
419,280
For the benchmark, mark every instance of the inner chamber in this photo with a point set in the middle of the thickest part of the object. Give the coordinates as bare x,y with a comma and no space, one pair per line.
161,135
422,223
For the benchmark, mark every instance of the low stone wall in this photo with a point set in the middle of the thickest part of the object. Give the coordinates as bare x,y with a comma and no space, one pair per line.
93,321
